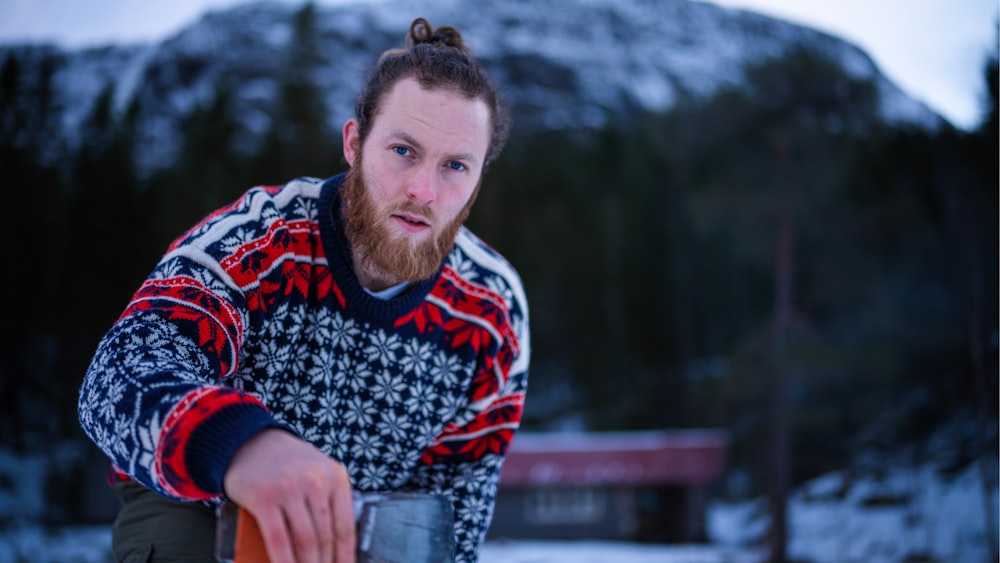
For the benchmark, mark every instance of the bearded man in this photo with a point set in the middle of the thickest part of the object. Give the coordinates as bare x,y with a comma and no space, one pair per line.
326,336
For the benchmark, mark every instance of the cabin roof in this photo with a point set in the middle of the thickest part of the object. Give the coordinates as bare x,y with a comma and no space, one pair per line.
641,458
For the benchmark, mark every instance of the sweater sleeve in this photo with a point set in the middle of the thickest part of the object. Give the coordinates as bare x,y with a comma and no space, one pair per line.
464,462
471,486
154,398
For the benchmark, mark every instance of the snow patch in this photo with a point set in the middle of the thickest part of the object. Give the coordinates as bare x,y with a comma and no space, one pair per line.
909,514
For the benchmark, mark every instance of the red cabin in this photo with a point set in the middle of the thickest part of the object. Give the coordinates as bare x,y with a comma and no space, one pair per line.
639,486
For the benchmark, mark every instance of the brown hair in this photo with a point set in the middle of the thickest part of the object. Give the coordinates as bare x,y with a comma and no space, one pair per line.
437,59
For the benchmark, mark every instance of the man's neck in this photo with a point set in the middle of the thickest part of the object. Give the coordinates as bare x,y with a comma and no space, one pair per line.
371,279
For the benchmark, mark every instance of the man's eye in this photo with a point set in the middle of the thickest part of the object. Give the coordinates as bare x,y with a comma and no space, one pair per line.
401,151
456,166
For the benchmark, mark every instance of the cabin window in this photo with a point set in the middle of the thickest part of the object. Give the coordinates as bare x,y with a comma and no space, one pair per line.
566,506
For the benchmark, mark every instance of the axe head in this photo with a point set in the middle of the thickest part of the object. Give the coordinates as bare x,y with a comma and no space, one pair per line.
392,527
404,527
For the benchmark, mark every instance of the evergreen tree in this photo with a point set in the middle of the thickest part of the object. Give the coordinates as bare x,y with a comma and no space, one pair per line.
101,248
300,141
207,174
29,225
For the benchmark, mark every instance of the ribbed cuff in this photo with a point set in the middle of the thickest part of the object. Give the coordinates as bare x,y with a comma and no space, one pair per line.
214,442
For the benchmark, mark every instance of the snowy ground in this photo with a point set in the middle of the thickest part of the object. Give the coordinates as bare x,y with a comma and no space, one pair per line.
91,545
606,552
909,514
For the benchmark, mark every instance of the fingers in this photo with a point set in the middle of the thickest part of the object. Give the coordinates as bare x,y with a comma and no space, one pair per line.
343,524
322,516
301,532
305,532
333,515
277,541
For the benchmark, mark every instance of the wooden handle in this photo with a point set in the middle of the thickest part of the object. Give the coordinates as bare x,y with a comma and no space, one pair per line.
248,546
238,538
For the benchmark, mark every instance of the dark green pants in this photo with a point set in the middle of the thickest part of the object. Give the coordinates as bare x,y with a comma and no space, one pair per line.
153,528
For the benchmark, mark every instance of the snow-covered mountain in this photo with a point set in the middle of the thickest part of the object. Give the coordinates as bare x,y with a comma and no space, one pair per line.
562,63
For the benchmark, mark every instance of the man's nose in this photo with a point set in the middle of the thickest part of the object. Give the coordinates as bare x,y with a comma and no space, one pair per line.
422,188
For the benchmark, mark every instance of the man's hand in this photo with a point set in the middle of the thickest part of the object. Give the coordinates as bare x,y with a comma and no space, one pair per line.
300,497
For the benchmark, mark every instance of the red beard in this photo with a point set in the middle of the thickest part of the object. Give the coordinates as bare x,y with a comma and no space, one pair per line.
389,257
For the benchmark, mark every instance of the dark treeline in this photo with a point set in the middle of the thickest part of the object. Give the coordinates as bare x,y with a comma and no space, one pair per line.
776,250
777,239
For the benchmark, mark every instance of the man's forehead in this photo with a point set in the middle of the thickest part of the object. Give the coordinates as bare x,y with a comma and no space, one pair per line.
434,114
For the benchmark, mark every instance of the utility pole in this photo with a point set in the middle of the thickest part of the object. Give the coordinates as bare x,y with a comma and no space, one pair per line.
779,450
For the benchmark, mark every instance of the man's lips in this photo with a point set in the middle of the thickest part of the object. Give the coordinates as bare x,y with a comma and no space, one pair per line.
410,222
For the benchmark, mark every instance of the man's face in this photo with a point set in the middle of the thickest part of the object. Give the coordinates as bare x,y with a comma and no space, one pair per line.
412,183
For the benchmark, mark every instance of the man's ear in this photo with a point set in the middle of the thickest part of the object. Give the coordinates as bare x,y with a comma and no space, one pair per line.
352,140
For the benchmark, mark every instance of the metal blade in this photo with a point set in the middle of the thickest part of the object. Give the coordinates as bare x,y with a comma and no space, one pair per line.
405,528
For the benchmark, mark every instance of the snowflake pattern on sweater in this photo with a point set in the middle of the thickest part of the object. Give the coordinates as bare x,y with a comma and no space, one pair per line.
254,319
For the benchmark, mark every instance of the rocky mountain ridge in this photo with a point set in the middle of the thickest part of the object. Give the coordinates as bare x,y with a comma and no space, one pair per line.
562,64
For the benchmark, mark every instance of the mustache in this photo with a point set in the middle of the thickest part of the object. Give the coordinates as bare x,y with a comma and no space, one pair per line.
413,208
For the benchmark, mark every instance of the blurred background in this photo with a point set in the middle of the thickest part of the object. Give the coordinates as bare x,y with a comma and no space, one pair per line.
724,220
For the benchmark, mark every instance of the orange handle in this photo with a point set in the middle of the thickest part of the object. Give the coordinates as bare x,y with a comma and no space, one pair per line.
249,546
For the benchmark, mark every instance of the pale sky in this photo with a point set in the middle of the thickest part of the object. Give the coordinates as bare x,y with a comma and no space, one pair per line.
933,49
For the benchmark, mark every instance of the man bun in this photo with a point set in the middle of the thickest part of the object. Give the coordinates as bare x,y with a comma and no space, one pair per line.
421,31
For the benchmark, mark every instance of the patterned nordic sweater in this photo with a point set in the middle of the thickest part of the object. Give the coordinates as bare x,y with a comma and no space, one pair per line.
254,319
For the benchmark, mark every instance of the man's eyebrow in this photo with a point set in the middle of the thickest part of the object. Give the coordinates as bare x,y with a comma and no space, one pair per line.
405,137
409,140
